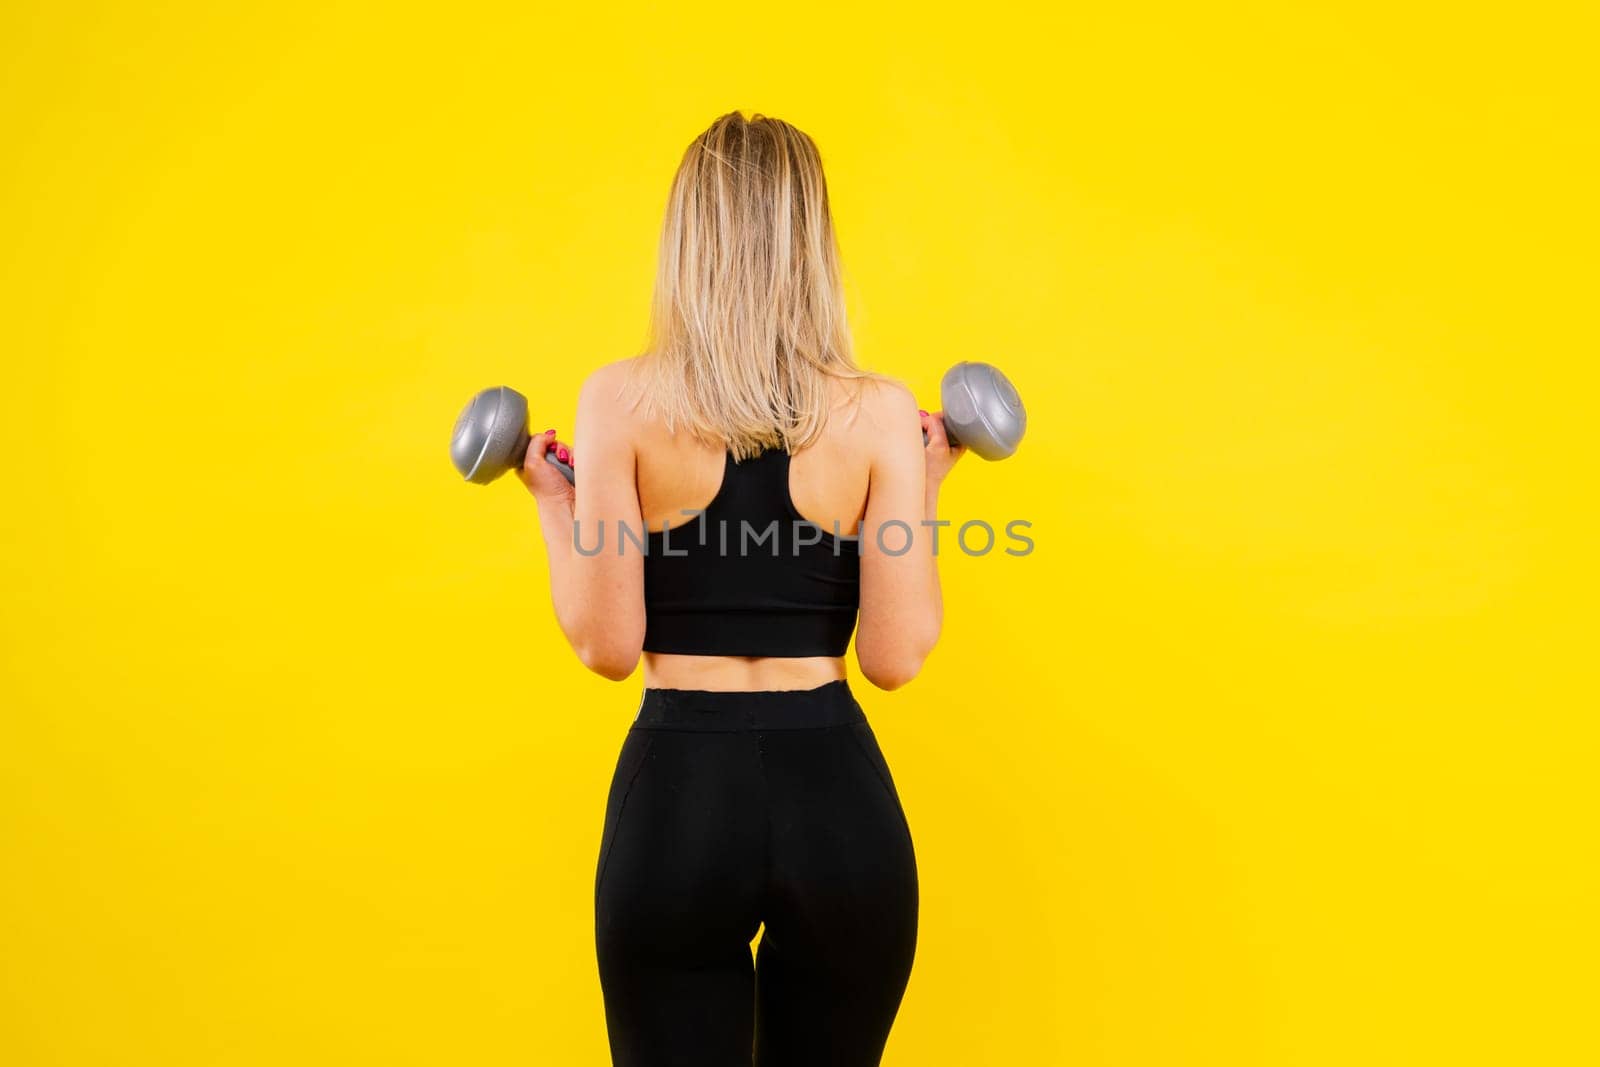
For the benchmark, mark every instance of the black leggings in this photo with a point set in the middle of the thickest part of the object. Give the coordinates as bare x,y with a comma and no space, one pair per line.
732,810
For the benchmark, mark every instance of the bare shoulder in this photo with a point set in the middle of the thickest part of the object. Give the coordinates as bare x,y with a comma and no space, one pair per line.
612,396
888,398
608,405
612,388
883,410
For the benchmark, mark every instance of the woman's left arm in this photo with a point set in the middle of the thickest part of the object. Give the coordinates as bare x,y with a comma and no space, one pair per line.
598,595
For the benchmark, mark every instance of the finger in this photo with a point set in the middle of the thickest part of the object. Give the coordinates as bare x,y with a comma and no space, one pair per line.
564,452
934,424
537,447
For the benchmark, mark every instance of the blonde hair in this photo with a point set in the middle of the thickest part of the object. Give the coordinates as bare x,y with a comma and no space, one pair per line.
748,323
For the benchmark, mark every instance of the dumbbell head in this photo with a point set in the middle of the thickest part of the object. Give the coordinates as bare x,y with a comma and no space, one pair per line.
491,435
982,410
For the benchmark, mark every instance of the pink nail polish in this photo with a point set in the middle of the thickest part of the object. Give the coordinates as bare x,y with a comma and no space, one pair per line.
924,414
550,433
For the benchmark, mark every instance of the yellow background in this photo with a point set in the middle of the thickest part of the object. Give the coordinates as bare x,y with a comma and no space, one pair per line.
1278,750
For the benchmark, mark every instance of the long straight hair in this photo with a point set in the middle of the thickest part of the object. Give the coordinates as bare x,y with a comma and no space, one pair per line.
748,323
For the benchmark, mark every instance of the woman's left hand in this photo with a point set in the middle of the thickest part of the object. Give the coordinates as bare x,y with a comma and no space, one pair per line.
543,480
939,453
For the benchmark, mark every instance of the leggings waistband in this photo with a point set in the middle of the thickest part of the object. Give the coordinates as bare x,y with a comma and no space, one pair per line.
775,709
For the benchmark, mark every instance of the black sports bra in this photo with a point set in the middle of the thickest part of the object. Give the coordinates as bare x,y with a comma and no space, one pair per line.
749,575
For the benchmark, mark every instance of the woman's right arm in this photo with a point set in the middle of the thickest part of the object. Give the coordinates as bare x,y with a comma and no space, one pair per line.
598,595
902,609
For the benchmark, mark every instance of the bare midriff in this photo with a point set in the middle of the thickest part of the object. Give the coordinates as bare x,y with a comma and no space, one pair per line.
739,674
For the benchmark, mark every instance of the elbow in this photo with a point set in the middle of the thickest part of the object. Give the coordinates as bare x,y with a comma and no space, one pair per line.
889,679
610,646
890,671
890,660
608,659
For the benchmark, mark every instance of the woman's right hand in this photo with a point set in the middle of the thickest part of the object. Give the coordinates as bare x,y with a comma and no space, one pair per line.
939,454
543,480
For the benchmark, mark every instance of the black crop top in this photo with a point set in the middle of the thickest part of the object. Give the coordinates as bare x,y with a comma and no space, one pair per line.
749,576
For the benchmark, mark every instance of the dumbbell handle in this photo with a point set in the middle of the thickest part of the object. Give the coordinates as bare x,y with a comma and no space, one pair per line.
949,437
549,457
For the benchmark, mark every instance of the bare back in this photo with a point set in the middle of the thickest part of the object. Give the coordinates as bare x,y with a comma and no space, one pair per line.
828,481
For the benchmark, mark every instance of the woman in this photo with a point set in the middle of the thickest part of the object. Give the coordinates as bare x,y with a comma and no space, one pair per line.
783,489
